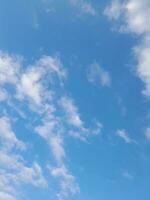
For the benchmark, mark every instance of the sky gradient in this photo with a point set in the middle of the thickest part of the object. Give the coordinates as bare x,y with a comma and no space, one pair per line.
74,99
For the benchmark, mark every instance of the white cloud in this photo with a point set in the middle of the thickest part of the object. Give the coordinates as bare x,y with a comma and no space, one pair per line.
124,135
142,53
30,86
15,173
56,143
84,133
52,132
72,118
96,74
9,160
9,68
29,82
32,81
114,10
56,116
72,114
137,14
98,128
133,17
67,182
6,196
13,170
7,136
5,187
32,175
47,129
52,65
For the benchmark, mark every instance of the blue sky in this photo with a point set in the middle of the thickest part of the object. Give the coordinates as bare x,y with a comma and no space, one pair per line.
74,99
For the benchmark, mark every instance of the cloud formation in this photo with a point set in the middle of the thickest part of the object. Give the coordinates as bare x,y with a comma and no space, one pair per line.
147,133
71,112
38,90
96,74
84,6
13,170
68,183
124,135
132,16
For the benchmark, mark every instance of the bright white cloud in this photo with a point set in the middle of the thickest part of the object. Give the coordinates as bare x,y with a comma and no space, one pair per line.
133,16
9,68
124,135
133,13
96,74
55,118
142,53
31,84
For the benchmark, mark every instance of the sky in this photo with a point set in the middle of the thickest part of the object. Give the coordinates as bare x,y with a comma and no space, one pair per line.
74,99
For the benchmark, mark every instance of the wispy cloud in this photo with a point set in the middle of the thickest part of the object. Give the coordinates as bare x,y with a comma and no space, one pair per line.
84,6
8,137
40,88
72,113
124,136
127,175
147,133
13,170
31,81
72,117
52,133
96,74
114,10
67,182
